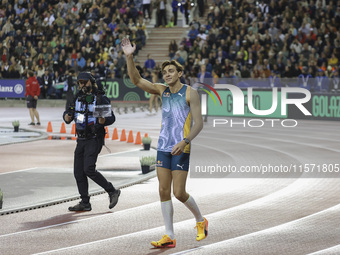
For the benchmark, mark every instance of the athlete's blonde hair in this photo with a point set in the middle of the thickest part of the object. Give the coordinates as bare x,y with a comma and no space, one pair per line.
179,67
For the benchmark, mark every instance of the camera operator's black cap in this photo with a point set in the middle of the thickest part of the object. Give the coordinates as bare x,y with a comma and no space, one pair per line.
86,76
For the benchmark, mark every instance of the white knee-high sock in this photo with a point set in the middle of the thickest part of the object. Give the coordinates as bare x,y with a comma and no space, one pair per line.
192,206
168,213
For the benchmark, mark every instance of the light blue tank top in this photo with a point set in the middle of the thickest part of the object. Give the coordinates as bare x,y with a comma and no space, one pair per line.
176,119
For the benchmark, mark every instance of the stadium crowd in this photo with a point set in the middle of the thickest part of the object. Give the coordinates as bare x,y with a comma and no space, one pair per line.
239,38
265,39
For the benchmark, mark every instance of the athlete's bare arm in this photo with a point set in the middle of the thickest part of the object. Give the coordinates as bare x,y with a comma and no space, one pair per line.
152,88
195,108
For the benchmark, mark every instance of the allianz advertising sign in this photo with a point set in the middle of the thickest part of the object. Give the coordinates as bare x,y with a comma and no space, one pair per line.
12,88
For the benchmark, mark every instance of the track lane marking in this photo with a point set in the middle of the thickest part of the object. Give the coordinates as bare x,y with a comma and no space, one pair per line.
215,214
336,207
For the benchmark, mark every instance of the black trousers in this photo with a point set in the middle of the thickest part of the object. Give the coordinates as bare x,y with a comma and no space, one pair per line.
175,17
146,8
162,18
85,158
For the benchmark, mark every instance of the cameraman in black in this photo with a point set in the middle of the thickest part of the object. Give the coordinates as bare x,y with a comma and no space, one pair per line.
90,139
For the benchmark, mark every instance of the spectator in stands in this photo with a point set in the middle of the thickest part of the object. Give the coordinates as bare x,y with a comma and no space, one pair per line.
161,13
321,82
149,63
174,5
80,61
245,73
305,79
147,8
185,9
305,32
333,60
274,79
58,85
183,53
186,43
201,7
179,59
192,34
335,81
173,46
46,80
121,63
141,33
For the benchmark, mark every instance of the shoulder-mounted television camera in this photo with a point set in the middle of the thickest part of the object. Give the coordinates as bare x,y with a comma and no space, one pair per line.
86,98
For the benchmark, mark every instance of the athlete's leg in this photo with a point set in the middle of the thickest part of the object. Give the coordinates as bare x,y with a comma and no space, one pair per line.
179,167
180,178
31,114
165,179
179,182
36,114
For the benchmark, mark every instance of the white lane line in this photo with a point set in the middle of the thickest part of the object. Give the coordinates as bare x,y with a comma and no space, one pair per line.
279,140
254,145
118,153
100,156
331,250
284,225
186,251
215,214
22,170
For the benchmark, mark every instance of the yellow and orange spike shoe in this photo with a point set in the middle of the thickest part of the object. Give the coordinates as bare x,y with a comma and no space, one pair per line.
202,229
165,242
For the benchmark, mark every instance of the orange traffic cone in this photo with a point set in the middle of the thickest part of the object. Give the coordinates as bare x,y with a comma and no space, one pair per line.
138,138
74,138
123,136
146,135
49,127
63,138
115,134
62,128
107,133
130,137
73,131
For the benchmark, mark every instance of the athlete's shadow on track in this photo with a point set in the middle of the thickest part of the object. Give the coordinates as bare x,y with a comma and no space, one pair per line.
155,251
62,220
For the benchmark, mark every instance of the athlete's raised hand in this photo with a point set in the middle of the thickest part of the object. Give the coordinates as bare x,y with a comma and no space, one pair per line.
127,47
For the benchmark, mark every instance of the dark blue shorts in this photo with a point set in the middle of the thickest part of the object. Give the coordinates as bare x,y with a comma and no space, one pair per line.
31,102
173,162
